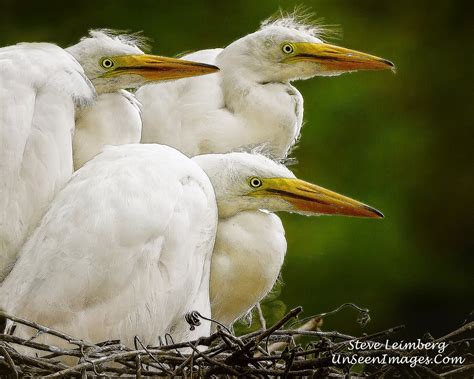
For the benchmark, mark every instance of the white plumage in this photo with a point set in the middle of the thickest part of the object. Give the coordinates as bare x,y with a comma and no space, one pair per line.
250,102
248,255
124,250
223,112
43,91
115,62
42,87
250,242
113,119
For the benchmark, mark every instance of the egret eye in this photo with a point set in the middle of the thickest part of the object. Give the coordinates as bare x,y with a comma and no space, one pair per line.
107,63
287,48
255,182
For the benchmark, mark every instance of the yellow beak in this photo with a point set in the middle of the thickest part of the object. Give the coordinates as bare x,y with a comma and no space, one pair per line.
154,68
310,198
335,58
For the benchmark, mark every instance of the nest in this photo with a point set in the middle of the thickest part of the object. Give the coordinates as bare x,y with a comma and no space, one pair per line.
276,351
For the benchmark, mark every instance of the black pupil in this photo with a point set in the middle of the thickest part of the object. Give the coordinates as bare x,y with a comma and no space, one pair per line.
107,63
288,49
255,182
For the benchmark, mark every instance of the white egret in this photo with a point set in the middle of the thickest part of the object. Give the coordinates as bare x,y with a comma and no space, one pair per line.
114,62
250,243
42,86
125,248
250,101
44,90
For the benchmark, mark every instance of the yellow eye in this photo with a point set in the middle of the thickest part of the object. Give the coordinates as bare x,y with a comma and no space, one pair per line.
287,48
107,63
255,182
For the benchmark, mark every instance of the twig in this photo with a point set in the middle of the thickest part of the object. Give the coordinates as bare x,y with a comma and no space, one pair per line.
468,368
9,361
225,354
44,329
308,326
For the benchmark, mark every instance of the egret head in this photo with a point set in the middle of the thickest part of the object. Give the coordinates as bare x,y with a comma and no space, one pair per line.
287,48
244,181
114,62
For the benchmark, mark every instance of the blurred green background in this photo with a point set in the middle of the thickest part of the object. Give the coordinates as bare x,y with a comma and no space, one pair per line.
402,143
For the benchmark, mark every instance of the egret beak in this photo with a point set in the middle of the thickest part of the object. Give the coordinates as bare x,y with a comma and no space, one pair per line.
309,198
154,68
335,58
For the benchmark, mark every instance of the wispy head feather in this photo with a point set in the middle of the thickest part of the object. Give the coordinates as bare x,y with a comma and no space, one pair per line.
264,149
136,39
303,20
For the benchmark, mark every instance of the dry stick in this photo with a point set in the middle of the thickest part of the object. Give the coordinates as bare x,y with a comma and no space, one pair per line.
152,357
260,337
312,363
382,333
250,335
293,313
226,336
110,358
38,362
216,351
262,350
317,333
202,341
88,365
339,345
97,352
237,341
214,362
39,346
191,364
46,330
465,328
138,373
131,365
427,371
127,370
308,326
227,342
362,311
3,362
9,361
281,372
184,364
458,370
293,331
231,337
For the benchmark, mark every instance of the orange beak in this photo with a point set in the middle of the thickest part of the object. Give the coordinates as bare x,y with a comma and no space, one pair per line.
310,198
155,68
335,58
